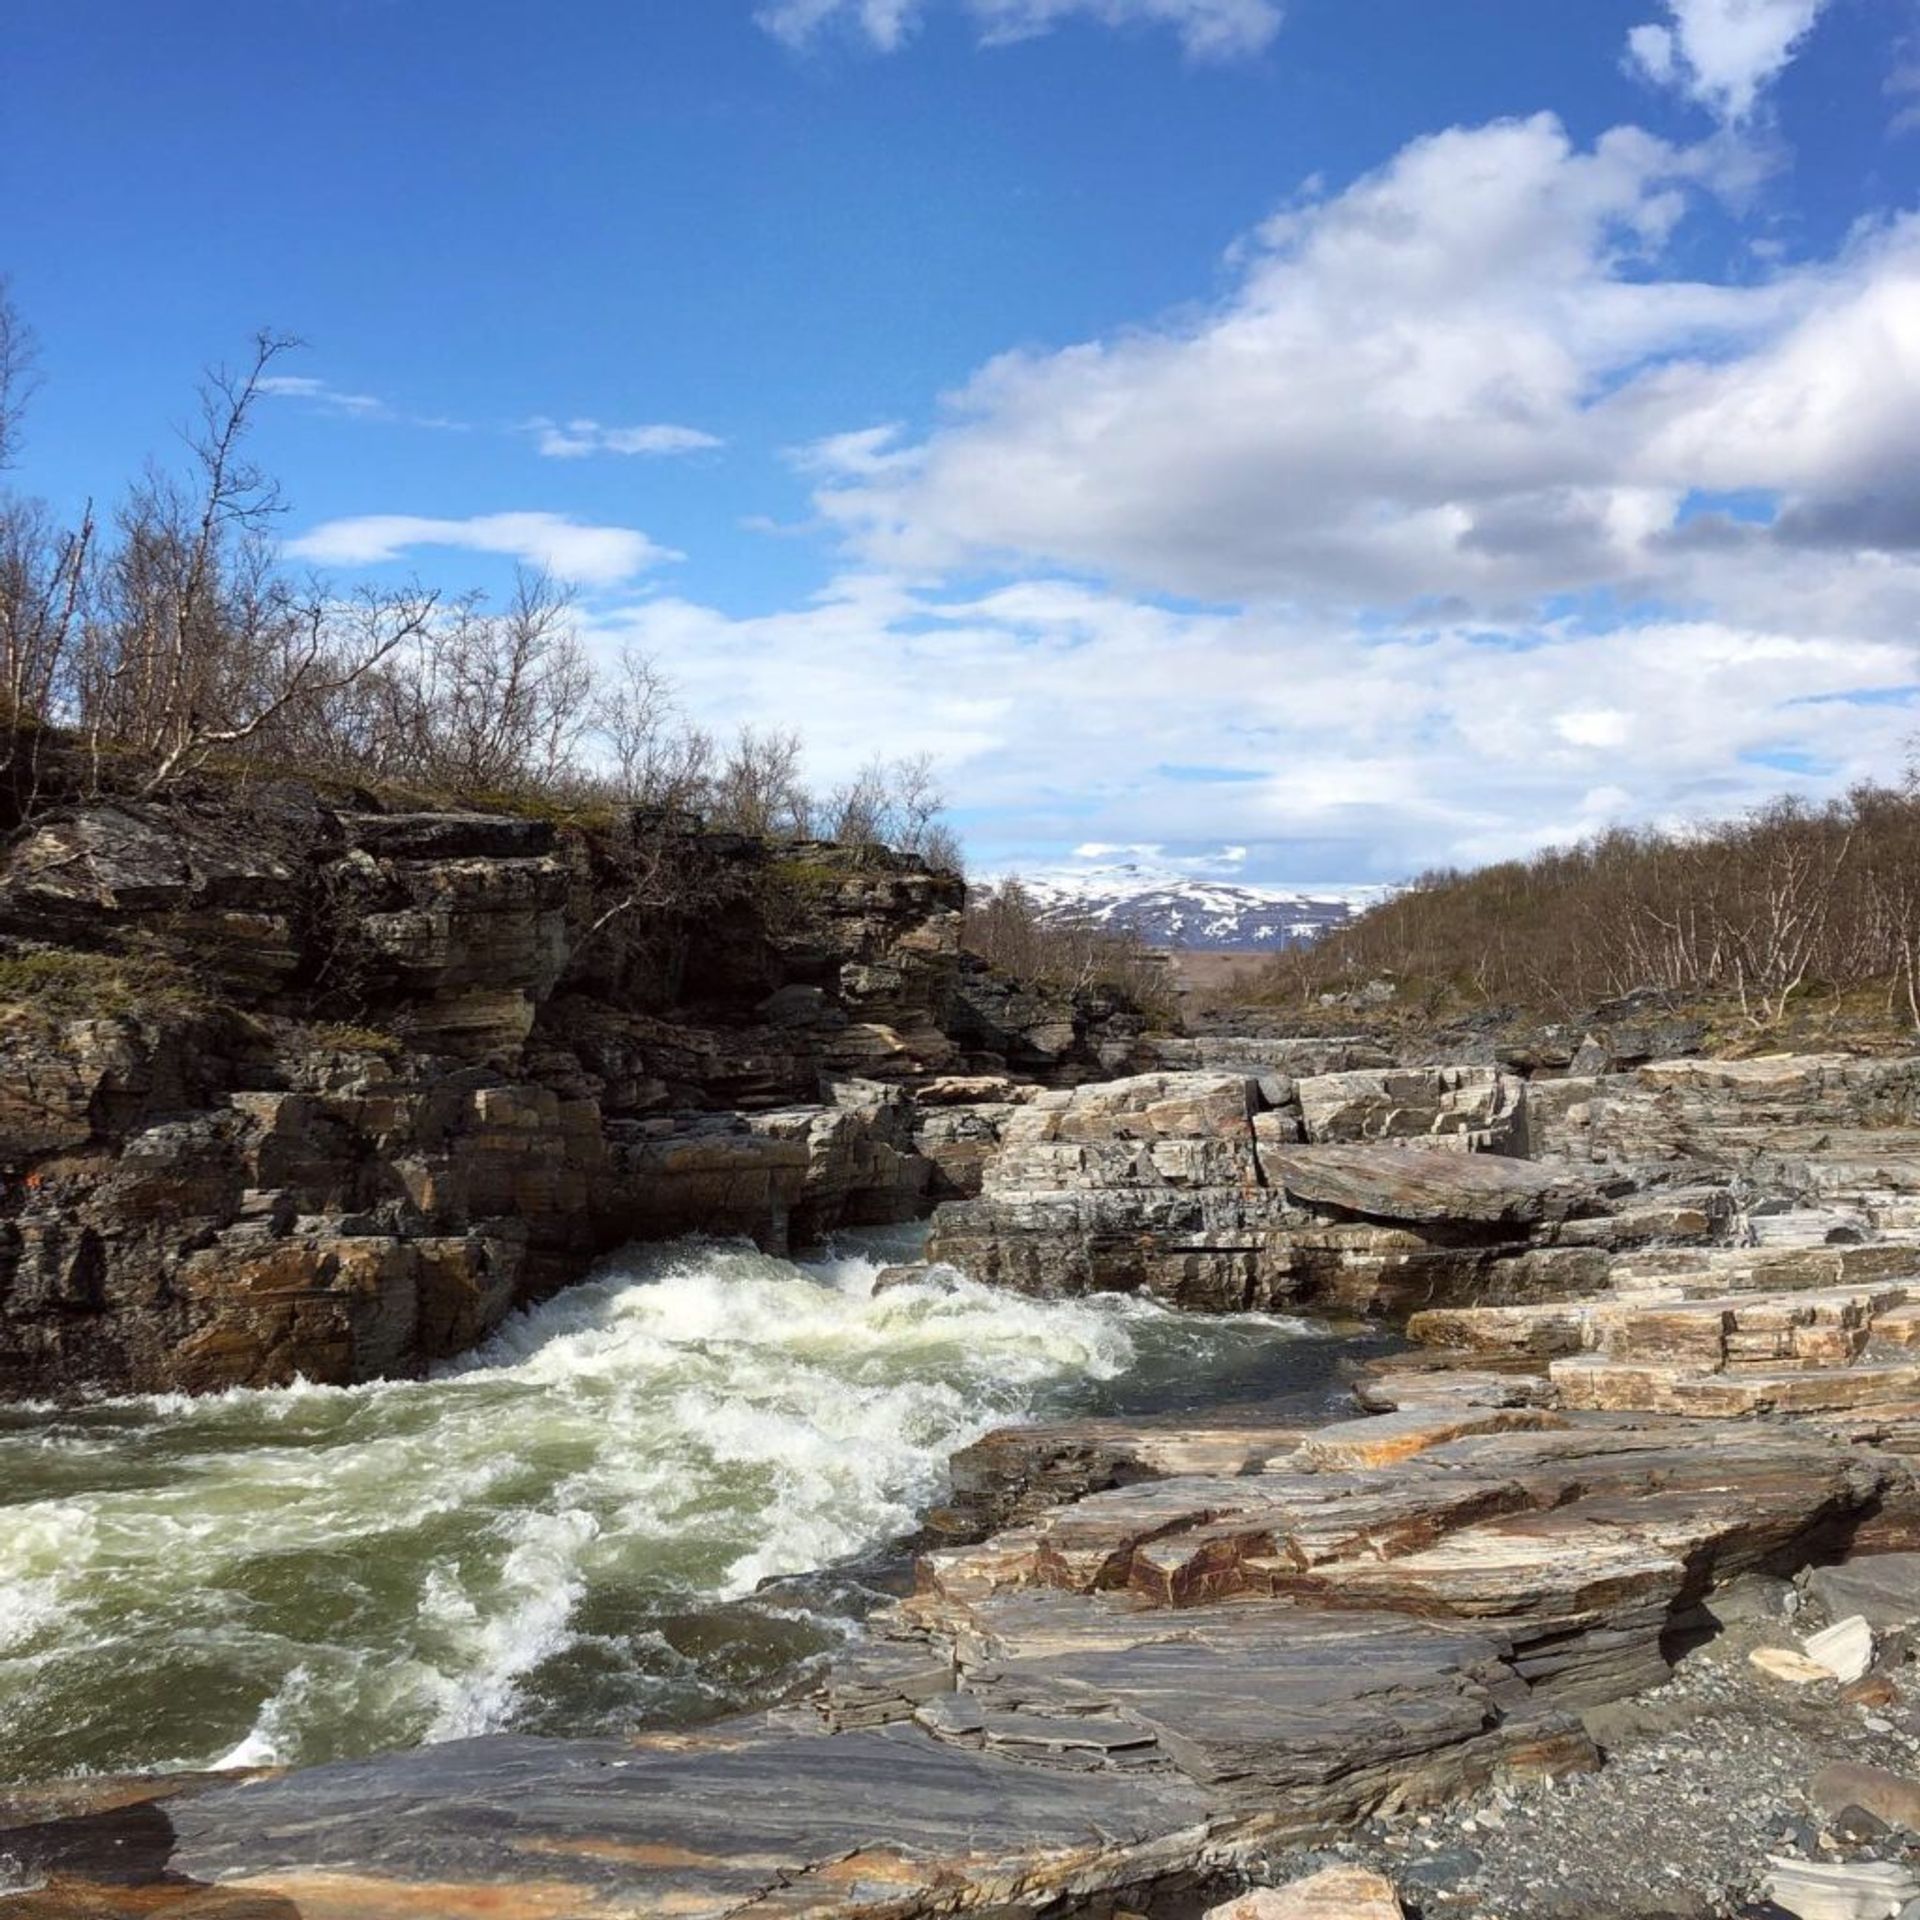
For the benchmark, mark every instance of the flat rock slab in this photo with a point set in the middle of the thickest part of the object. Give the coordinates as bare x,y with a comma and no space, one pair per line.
1393,1387
1654,1387
1015,1473
1381,1441
1426,1185
1311,1719
684,1827
1861,1890
1791,1665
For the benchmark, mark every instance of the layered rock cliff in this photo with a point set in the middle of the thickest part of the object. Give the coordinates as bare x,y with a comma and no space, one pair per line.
297,1083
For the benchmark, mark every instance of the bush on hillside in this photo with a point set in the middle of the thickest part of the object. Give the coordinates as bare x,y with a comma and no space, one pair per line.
1005,926
1790,899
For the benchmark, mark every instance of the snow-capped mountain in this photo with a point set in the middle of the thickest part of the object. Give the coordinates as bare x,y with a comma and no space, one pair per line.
1168,909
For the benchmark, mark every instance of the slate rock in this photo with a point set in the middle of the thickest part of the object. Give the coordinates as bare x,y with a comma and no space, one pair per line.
1883,1588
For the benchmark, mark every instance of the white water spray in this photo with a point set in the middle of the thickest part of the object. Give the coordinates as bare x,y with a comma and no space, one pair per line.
563,1531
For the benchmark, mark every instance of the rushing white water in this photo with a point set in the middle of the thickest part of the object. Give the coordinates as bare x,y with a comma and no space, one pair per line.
564,1532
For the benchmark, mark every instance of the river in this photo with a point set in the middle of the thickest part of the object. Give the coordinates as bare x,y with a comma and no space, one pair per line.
565,1532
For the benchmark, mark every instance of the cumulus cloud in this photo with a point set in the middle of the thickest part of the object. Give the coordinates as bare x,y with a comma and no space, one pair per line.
1465,382
1722,53
587,555
1208,29
577,439
1464,523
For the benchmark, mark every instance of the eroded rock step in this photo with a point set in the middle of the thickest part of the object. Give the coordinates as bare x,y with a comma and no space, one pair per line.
1182,1644
1145,1682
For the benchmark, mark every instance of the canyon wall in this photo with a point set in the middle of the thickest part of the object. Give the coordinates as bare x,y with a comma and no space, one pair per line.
296,1082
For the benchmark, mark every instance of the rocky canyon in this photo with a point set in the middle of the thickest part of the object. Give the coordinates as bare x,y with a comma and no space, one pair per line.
298,1088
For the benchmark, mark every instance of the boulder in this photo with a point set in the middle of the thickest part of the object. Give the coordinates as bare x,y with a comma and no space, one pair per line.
1335,1893
1882,1588
1425,1186
1891,1797
1796,1668
1845,1650
1480,1108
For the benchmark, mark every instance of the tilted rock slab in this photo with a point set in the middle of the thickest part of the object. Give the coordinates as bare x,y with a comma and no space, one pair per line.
1157,1680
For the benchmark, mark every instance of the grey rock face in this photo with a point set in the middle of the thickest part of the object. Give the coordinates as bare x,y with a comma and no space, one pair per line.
381,1077
1191,1187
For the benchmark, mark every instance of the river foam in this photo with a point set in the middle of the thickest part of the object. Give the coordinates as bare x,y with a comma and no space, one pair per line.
567,1531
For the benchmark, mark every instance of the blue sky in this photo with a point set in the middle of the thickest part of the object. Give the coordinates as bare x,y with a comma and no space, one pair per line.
1364,433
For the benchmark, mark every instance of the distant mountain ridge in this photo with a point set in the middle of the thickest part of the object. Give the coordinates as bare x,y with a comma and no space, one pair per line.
1168,909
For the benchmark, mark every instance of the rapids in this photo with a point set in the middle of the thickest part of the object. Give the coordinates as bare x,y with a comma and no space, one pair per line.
565,1532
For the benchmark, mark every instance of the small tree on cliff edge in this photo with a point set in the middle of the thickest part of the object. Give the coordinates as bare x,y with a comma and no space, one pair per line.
43,575
198,644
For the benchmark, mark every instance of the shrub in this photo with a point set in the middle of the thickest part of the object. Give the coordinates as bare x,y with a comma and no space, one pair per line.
1763,908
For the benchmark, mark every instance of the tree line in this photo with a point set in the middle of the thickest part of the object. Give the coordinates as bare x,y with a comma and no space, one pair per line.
1794,898
1006,925
166,636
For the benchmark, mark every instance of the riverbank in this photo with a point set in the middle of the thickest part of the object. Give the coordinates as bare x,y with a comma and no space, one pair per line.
1148,1656
569,1532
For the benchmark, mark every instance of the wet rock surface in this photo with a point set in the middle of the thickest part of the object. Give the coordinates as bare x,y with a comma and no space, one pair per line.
296,1086
1271,1641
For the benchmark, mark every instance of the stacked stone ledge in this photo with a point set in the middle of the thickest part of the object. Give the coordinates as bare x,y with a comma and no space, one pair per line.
1371,1190
372,1079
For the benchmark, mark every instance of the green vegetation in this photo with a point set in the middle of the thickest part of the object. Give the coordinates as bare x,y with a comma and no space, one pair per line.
67,983
810,878
1750,920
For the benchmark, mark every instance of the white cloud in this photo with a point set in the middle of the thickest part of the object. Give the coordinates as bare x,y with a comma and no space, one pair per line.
1595,727
323,397
1465,381
1510,530
576,439
860,455
300,386
885,23
588,555
1208,29
1722,53
1062,715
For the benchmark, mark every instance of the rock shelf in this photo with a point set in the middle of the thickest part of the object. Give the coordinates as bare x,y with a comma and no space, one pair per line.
1672,1352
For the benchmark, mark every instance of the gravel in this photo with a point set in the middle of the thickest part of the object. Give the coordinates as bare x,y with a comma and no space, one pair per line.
1703,1780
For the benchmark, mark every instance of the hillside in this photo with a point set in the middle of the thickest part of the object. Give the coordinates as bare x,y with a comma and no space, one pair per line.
1794,922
